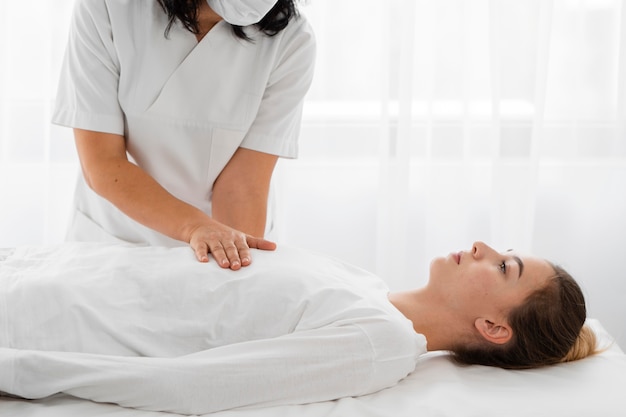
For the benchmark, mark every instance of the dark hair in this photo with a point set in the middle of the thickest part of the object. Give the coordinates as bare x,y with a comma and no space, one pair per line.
186,11
547,329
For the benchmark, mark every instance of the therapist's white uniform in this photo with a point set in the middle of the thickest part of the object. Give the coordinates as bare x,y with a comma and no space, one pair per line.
184,107
294,327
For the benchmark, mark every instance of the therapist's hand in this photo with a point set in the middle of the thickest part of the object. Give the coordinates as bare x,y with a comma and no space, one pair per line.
229,247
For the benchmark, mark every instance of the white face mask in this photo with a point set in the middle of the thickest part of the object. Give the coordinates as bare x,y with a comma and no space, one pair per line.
242,12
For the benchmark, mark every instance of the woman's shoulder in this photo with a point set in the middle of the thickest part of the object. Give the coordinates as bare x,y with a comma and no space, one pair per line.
299,27
85,8
298,32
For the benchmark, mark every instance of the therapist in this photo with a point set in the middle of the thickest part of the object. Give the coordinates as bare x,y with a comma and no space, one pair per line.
180,110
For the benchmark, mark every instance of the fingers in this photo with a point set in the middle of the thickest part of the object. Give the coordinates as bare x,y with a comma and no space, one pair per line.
233,256
228,247
244,254
219,254
238,254
226,256
202,252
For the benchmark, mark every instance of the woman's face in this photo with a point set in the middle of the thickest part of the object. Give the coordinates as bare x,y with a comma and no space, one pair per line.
482,282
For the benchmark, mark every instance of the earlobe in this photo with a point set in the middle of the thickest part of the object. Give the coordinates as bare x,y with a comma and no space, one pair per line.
492,332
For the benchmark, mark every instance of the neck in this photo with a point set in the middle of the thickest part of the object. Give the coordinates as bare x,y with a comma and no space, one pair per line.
430,317
207,18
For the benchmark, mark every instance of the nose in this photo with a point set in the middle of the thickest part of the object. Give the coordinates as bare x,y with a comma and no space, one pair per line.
480,249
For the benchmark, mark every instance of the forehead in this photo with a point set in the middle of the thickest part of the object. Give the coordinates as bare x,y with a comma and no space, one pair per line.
536,271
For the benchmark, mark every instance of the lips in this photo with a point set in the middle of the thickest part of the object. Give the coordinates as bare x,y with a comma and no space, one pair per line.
456,257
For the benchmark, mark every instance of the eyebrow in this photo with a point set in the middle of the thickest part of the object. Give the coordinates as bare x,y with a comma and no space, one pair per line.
520,263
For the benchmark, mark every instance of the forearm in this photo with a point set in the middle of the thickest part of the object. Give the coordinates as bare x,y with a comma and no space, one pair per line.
240,192
143,199
243,209
110,174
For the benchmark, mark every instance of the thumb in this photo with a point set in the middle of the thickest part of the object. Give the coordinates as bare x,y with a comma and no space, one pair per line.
260,243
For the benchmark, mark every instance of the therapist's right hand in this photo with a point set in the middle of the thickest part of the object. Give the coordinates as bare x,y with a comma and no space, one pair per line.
111,175
229,247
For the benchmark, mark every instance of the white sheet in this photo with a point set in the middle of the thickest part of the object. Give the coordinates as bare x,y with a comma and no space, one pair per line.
591,387
294,327
437,387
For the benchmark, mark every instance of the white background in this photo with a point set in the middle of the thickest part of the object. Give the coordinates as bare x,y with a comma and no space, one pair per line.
429,125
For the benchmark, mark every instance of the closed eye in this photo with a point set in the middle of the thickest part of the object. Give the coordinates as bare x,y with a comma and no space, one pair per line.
519,263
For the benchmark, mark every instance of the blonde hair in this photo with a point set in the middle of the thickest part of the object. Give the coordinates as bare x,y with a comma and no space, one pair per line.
586,344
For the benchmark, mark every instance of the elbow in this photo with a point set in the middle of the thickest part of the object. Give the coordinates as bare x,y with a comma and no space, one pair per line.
92,179
88,178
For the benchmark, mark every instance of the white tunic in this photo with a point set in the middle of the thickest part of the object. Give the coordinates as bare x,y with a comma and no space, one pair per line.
294,327
184,107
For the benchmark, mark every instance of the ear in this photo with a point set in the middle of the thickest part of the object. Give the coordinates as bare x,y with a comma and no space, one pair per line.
492,332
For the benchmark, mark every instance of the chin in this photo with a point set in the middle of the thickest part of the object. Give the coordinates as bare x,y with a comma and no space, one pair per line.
437,260
436,267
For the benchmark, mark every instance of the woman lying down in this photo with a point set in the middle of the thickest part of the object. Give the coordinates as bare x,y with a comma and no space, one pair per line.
152,328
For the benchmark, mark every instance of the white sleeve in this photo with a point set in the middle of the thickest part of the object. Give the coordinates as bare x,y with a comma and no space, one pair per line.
276,127
302,367
87,96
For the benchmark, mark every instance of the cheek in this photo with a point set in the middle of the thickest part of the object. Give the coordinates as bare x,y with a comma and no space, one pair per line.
479,283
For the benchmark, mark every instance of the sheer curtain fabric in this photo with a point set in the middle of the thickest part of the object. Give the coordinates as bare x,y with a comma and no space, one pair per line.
429,125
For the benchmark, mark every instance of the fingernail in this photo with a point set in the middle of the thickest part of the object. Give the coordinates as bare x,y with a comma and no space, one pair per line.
245,260
225,262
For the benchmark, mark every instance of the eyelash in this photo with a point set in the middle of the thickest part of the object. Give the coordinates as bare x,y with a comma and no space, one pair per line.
503,267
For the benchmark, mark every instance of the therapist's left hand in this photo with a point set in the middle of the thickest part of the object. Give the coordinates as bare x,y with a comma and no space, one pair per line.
229,247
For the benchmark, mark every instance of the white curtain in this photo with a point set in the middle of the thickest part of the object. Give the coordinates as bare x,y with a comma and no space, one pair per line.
37,160
430,124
